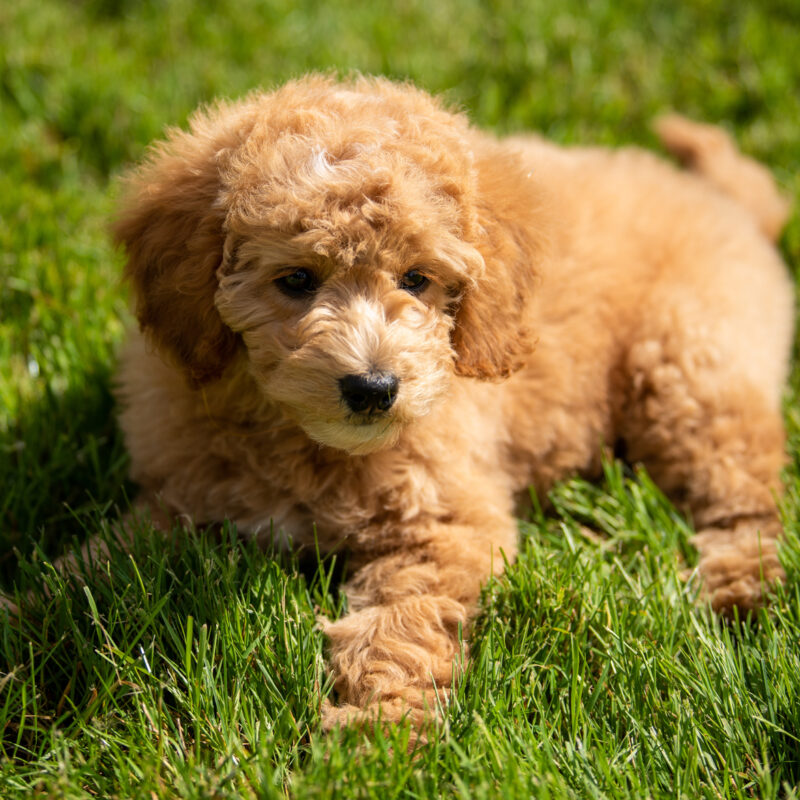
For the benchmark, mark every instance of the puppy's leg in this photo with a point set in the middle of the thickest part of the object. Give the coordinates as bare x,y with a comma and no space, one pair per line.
398,650
95,549
713,441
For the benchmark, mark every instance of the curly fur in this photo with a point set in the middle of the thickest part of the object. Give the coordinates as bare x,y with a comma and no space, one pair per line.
576,297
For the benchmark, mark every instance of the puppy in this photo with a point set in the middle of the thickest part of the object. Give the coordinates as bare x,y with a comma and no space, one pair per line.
367,322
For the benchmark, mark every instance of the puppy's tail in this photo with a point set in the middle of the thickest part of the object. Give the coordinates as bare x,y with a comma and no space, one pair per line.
709,151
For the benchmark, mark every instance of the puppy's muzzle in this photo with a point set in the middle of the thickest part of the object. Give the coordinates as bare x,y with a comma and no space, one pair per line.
370,394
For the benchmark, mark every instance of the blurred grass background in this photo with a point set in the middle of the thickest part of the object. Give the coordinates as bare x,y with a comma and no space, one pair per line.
85,85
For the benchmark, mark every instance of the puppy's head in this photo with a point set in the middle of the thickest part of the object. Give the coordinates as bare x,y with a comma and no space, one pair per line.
346,238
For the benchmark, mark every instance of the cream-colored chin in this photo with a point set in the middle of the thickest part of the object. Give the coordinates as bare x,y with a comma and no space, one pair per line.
353,439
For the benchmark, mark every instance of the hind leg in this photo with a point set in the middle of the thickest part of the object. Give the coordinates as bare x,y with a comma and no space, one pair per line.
712,438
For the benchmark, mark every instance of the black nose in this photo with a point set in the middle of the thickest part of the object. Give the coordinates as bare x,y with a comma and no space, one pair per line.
369,394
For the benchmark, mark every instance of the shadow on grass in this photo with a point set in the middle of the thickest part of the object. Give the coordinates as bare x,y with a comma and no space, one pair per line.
63,470
84,639
143,627
62,458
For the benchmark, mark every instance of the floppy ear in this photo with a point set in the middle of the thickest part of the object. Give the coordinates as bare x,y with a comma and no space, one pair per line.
492,334
171,224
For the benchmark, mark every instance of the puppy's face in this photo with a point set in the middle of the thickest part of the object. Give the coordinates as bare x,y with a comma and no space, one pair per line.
351,353
343,293
339,235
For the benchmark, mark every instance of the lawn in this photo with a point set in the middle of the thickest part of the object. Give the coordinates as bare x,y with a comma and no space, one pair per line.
192,667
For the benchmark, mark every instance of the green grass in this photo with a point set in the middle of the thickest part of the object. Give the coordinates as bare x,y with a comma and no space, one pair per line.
194,667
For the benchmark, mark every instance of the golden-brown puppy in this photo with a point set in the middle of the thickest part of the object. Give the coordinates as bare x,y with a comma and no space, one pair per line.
365,320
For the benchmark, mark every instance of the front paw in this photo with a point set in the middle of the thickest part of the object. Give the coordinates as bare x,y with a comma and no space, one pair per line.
393,663
8,606
395,650
422,713
738,565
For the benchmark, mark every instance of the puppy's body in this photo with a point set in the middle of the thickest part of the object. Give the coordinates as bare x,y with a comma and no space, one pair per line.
641,253
619,297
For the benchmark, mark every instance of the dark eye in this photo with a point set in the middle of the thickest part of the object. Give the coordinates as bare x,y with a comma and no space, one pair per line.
298,283
414,281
